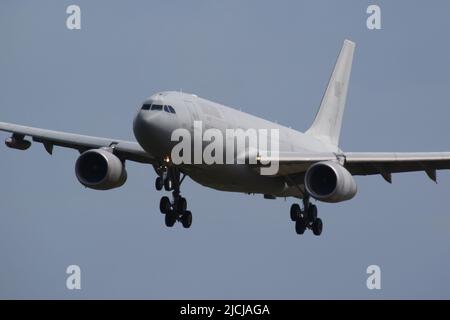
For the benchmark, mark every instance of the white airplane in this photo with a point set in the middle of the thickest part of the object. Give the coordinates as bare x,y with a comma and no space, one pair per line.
311,165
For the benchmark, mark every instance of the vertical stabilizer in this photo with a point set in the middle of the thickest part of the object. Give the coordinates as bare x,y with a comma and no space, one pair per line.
328,121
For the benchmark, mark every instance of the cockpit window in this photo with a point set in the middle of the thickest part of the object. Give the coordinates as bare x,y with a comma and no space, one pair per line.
169,109
157,107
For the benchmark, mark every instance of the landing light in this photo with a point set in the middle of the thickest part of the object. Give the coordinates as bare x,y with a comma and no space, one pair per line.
166,159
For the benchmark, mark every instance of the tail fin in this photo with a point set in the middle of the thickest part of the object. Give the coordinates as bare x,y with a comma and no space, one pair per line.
328,121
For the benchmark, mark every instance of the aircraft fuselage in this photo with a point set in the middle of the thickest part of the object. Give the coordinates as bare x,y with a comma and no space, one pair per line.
153,130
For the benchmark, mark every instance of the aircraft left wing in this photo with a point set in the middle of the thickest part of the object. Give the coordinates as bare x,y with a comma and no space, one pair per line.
363,163
367,163
291,163
127,150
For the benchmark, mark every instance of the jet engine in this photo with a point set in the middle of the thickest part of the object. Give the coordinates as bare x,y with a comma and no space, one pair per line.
100,169
328,181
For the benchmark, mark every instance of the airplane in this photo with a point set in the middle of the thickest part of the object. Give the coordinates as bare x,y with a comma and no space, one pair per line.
311,164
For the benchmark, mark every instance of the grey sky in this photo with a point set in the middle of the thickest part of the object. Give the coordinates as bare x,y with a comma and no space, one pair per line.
271,59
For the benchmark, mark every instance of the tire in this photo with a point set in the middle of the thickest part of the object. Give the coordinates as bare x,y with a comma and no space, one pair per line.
164,205
159,183
186,219
300,226
170,219
168,184
181,205
317,227
312,213
295,212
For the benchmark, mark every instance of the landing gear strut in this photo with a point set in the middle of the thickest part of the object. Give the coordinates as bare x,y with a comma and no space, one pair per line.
175,210
306,218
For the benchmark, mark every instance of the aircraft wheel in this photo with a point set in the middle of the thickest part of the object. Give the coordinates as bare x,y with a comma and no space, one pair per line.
317,227
295,212
300,226
170,219
186,219
164,205
159,183
181,205
312,213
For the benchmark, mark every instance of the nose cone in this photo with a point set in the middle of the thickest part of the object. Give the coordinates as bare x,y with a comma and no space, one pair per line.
153,130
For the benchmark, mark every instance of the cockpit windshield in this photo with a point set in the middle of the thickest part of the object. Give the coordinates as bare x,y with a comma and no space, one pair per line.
158,107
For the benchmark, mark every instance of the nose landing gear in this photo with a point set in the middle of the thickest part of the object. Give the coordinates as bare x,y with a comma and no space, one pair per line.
175,210
306,218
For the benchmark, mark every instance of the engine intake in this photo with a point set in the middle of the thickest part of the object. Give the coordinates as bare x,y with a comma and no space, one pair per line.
328,181
100,169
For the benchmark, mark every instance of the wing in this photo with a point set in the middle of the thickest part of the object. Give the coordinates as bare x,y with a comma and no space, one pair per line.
366,163
361,163
127,150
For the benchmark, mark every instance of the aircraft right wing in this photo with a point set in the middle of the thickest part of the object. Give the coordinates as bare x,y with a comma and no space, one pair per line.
127,150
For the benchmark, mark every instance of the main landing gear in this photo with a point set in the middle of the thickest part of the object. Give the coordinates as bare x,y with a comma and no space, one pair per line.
306,218
175,210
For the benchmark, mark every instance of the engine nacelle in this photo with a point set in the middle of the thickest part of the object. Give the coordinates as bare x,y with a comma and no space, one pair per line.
328,181
100,169
20,144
